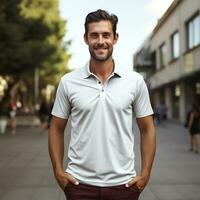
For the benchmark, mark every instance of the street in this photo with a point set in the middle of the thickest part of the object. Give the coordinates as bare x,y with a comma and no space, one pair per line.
26,172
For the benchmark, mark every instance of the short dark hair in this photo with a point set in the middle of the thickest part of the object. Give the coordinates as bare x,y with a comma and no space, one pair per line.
100,15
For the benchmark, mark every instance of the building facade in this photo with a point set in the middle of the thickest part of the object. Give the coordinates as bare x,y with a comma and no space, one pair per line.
170,59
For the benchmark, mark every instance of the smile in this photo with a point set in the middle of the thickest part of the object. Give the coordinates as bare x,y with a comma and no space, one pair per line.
101,49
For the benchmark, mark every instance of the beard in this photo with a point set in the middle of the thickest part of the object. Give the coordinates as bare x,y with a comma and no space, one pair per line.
105,56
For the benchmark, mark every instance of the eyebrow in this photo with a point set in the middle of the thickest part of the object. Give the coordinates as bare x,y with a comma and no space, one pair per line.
96,33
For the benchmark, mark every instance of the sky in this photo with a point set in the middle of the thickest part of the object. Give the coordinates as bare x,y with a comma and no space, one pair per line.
137,18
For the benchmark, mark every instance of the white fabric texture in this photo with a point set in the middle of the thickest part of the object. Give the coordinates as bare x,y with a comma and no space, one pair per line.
101,149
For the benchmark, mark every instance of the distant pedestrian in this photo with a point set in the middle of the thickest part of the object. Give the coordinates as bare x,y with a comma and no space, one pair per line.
187,119
160,113
194,128
157,117
12,111
186,125
50,115
43,114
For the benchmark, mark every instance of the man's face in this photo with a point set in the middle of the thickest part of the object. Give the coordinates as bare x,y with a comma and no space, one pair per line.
100,40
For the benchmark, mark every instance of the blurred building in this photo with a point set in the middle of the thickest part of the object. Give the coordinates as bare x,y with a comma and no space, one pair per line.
170,59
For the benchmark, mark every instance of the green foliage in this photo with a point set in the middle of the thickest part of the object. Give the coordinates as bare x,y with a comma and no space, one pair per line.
31,36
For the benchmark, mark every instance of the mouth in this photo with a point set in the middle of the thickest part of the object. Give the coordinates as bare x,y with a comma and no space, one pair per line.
101,51
101,48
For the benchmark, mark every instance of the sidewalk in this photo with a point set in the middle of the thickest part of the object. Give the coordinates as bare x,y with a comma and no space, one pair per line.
176,171
26,172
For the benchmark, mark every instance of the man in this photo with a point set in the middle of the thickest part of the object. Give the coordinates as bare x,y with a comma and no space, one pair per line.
101,99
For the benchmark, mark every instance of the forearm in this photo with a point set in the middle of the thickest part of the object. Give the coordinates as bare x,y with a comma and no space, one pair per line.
56,148
148,148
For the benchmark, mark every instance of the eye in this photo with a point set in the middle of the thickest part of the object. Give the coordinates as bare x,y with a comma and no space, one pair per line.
93,35
106,35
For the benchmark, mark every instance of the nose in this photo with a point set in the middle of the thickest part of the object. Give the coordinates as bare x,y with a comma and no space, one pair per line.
100,39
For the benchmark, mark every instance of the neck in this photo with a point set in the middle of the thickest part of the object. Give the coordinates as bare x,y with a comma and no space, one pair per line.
102,69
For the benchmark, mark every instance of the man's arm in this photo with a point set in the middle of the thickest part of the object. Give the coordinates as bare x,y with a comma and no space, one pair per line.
148,148
56,151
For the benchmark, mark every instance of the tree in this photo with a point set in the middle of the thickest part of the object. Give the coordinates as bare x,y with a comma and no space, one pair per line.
31,36
47,11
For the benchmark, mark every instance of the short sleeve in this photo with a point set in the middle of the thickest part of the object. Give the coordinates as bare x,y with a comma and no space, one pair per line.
61,107
141,104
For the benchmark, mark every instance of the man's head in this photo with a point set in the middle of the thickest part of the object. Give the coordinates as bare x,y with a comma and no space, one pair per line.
100,34
101,15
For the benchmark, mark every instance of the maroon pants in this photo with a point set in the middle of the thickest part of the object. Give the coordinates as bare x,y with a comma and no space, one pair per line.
88,192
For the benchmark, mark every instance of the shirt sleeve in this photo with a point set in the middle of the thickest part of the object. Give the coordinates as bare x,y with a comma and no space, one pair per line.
61,107
142,105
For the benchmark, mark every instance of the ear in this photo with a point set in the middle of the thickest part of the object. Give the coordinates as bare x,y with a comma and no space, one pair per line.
116,38
85,39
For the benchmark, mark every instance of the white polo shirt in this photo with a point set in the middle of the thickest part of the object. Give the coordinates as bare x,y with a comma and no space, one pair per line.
102,141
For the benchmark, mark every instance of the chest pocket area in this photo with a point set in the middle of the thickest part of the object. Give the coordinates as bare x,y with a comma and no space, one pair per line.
121,100
84,101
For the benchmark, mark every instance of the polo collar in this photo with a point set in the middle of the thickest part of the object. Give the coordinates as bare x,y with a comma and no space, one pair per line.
86,71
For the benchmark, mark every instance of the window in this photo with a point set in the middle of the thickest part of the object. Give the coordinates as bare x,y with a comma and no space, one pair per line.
163,55
193,32
175,45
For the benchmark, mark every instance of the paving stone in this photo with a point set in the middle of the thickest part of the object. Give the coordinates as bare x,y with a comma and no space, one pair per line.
46,193
190,191
167,192
18,194
148,194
